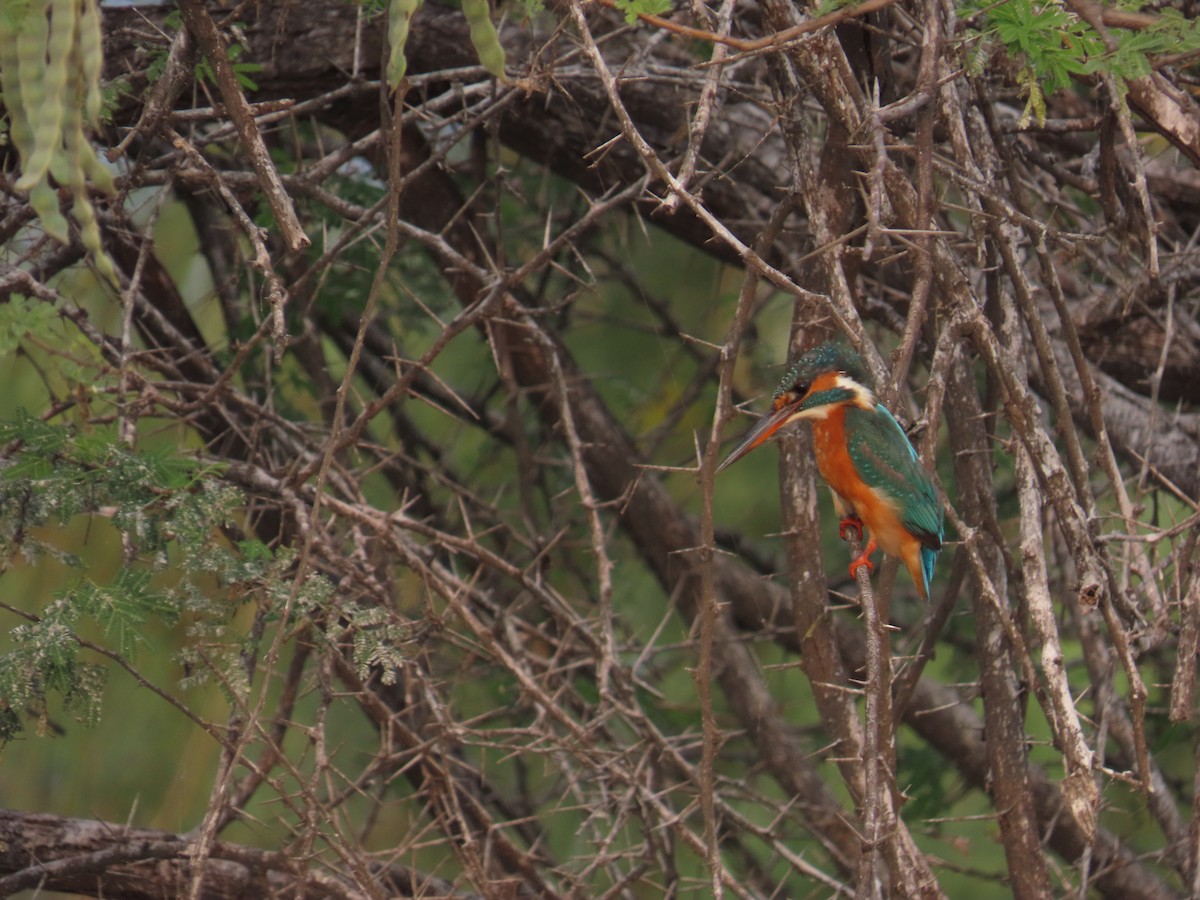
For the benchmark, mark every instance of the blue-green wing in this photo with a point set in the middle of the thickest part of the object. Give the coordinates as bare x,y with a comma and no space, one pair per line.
887,462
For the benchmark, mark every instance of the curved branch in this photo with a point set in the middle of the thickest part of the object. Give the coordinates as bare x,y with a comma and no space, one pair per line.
106,859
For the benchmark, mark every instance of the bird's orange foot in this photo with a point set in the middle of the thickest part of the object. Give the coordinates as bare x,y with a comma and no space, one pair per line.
850,528
863,559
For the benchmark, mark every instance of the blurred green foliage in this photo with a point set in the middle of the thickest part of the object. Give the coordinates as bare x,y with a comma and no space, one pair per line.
1051,45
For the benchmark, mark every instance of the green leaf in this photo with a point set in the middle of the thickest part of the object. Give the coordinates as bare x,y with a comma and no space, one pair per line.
635,8
22,316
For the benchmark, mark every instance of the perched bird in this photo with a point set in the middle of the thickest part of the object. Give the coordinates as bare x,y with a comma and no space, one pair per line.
864,455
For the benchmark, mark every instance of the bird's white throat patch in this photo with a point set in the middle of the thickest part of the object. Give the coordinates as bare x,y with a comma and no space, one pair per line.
863,398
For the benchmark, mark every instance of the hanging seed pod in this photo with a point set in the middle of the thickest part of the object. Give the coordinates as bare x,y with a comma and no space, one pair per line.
73,173
31,36
400,14
89,228
44,200
484,36
19,128
98,173
79,88
45,50
91,55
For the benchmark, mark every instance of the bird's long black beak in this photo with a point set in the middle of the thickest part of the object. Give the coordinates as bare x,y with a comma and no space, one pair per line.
763,431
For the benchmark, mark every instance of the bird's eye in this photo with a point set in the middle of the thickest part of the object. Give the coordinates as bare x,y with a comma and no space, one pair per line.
801,388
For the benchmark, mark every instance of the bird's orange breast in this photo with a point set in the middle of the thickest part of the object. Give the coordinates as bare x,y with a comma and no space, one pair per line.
877,511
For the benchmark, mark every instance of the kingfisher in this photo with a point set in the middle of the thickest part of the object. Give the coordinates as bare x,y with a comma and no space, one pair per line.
863,454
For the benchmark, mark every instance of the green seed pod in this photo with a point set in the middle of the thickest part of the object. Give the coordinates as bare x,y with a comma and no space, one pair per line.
44,200
484,36
89,163
49,67
400,14
91,54
89,236
98,173
12,13
70,170
31,60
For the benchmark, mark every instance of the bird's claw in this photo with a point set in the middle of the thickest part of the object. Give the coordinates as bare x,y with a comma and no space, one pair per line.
863,559
850,529
858,564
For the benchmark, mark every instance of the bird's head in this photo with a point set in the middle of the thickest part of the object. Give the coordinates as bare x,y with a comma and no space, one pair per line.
828,376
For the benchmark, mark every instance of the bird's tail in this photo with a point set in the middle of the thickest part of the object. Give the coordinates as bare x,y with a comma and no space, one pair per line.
928,558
